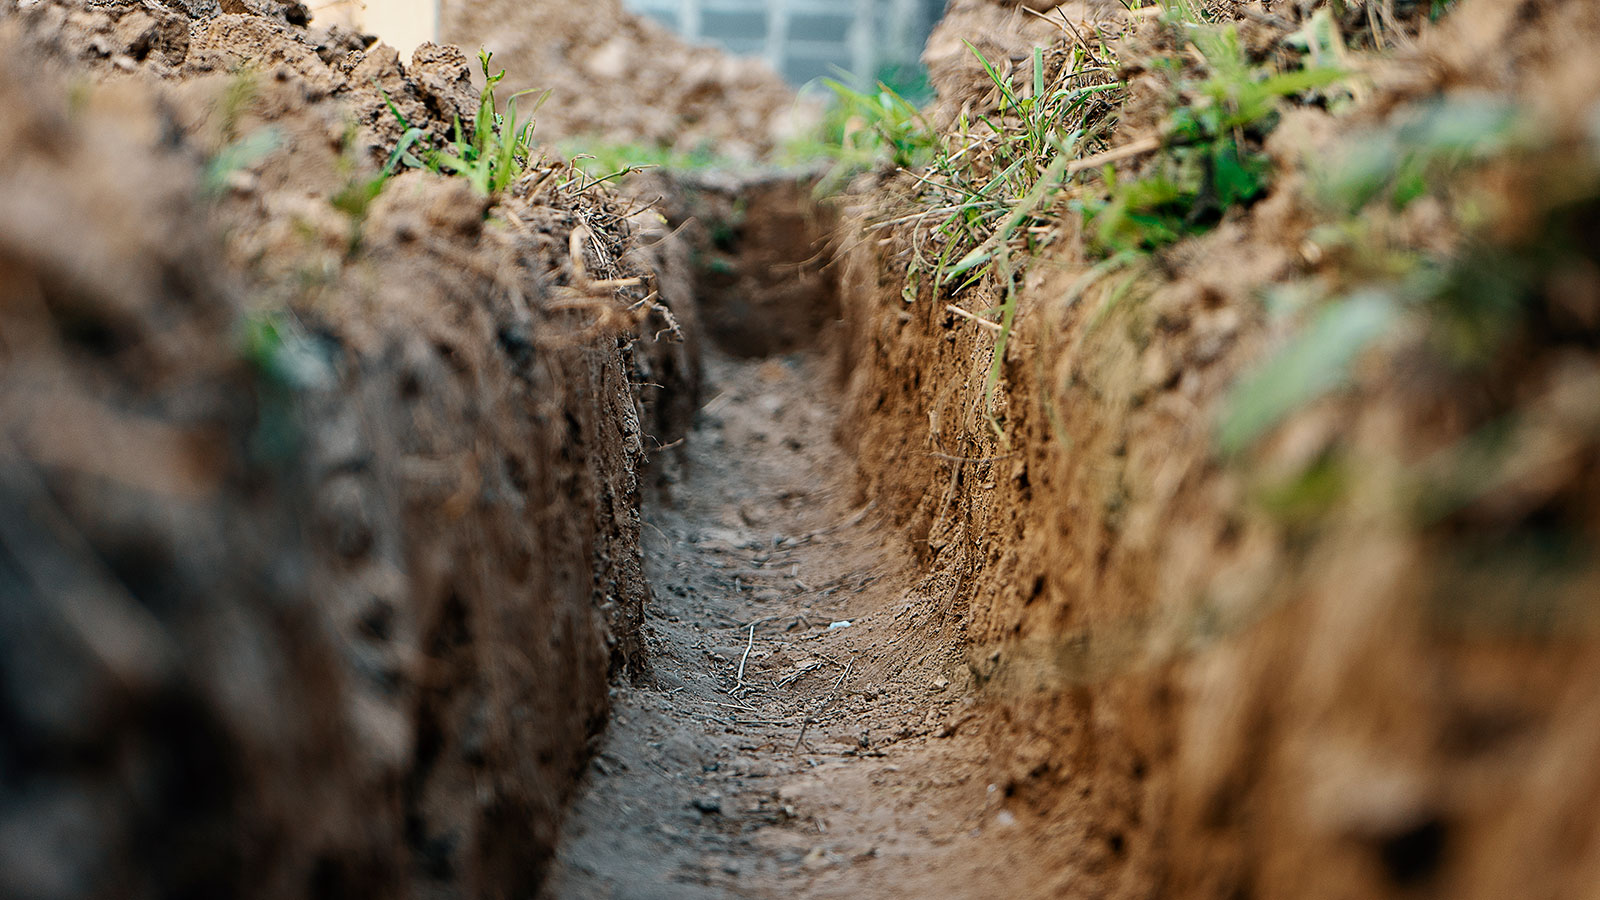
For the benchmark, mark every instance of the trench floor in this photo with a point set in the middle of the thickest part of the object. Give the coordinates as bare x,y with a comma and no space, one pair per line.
808,730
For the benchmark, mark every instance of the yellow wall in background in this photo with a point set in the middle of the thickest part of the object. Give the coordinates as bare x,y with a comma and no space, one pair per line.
402,24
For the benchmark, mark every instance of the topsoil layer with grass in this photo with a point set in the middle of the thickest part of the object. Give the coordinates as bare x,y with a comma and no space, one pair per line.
1341,646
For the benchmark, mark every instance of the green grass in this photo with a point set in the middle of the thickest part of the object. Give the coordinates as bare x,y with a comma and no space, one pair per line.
1211,161
1418,153
862,130
605,160
238,155
239,151
1471,292
1002,178
997,174
1000,174
286,362
360,188
859,130
490,153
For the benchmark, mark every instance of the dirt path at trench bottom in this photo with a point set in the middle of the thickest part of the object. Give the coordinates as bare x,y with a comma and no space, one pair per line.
845,761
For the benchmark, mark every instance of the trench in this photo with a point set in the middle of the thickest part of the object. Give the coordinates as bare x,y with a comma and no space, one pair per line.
807,727
325,511
779,750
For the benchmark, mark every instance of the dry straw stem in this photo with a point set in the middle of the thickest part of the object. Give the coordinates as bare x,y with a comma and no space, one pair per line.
975,319
1119,154
600,295
749,644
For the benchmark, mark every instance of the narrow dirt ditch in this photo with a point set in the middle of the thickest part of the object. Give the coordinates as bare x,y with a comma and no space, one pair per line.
803,736
807,727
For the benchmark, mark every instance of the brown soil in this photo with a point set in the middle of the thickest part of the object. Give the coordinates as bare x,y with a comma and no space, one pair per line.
344,613
810,730
759,248
1206,698
618,78
333,613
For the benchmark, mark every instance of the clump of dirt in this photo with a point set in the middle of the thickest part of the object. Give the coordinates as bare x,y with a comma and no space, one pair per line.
1269,672
321,502
618,78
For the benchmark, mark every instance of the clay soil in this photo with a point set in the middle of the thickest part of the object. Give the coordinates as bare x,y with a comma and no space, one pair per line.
318,521
500,580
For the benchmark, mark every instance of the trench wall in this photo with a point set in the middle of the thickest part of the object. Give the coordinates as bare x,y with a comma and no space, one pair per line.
1207,694
318,521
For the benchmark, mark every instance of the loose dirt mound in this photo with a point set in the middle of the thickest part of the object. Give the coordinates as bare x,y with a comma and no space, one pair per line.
1274,673
320,509
619,78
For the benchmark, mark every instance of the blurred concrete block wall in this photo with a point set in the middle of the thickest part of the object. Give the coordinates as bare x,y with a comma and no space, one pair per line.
802,39
806,39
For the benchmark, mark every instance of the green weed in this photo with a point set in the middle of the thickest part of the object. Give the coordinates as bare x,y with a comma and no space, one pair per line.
998,175
356,197
1418,154
496,149
280,351
599,159
1305,498
1206,164
1210,161
909,80
242,89
1469,293
360,189
238,151
238,155
987,185
862,130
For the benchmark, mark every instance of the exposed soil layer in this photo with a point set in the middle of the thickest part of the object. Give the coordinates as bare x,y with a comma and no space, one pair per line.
759,248
1208,695
325,543
319,519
